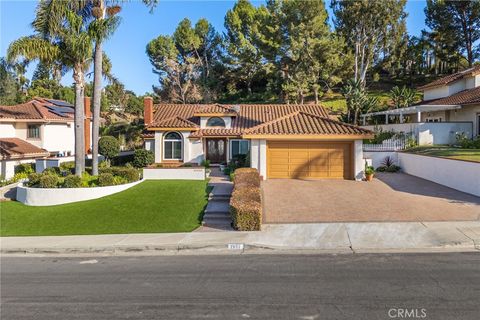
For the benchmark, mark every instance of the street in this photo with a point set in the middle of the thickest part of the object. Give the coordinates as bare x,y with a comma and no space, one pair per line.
358,286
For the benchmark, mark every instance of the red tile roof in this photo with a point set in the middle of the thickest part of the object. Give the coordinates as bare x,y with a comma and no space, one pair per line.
452,77
215,109
15,148
249,116
304,123
465,97
36,109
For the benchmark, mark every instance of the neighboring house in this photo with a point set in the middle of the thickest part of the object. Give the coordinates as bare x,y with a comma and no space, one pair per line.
283,141
450,105
38,129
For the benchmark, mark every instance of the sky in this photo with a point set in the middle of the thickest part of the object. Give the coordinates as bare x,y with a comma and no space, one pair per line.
126,48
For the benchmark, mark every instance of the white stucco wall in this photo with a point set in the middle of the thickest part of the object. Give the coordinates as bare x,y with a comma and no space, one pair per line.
435,93
467,113
150,145
196,154
59,137
377,157
7,167
456,174
7,130
359,162
55,196
42,164
158,146
258,156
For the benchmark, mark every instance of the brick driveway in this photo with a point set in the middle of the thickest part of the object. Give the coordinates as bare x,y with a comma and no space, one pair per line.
390,197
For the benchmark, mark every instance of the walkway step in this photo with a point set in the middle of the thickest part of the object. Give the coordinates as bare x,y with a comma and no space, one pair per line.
216,221
215,215
217,207
218,197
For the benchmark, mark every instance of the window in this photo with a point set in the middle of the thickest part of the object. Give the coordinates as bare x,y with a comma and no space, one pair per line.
172,146
216,122
33,131
239,147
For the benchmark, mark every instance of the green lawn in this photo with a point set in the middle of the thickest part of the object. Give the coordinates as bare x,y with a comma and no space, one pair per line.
152,206
448,152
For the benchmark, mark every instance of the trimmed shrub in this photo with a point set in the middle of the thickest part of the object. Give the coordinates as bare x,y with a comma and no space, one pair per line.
130,174
26,168
108,147
105,179
117,180
246,177
143,158
246,210
68,166
72,181
48,181
246,200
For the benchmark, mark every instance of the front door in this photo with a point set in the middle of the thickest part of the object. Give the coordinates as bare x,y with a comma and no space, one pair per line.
217,150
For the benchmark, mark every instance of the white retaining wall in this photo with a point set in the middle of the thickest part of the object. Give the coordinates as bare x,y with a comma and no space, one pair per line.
456,174
377,157
184,173
54,196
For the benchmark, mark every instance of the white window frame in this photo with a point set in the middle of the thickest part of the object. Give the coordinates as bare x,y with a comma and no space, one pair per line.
231,146
173,149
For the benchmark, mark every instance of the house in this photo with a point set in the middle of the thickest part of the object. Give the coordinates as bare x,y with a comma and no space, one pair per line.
282,141
451,105
38,129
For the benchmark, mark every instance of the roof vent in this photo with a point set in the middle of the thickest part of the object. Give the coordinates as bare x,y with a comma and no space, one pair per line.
236,108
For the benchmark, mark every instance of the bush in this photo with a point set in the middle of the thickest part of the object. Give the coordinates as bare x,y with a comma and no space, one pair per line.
246,209
33,179
246,200
72,181
67,166
205,163
143,158
246,177
393,168
26,168
52,170
109,147
130,174
48,181
105,179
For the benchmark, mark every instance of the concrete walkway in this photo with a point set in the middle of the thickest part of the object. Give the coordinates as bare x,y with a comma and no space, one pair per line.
217,213
279,238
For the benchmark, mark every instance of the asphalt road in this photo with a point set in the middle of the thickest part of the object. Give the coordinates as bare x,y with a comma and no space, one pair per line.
360,286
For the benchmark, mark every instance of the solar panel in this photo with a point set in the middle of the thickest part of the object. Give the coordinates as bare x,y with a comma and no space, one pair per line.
61,111
60,103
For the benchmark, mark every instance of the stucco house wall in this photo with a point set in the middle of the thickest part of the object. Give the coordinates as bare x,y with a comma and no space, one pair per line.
7,167
59,137
7,130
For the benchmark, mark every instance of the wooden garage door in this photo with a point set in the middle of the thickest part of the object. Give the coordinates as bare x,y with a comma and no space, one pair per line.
297,160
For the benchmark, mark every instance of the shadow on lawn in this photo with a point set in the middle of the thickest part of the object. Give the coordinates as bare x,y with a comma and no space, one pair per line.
208,189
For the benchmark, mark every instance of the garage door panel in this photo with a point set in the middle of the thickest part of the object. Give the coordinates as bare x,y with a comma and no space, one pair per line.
309,160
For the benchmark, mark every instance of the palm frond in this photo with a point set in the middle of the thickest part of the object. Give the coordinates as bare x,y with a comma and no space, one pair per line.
33,48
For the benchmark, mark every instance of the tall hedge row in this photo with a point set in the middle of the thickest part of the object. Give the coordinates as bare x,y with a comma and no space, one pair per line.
246,200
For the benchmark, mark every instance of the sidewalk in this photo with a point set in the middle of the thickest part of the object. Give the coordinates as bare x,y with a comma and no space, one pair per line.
282,238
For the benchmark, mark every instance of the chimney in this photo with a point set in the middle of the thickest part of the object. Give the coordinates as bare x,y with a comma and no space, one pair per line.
147,110
87,121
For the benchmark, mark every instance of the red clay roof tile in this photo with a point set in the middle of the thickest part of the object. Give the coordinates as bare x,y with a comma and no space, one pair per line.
14,148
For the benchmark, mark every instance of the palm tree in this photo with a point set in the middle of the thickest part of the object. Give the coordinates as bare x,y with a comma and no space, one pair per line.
101,28
60,38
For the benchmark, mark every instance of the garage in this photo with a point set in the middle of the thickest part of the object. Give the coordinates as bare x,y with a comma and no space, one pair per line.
309,160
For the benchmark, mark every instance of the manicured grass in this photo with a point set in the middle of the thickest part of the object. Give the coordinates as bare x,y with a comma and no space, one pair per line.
151,206
448,152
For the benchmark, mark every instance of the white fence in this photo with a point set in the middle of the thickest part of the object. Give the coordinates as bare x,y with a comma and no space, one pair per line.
395,144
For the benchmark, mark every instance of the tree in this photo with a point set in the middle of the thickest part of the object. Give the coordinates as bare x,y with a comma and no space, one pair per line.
109,147
8,84
358,101
143,158
402,97
242,26
457,24
369,27
101,28
60,39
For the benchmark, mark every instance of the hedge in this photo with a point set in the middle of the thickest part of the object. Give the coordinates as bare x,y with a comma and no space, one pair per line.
246,200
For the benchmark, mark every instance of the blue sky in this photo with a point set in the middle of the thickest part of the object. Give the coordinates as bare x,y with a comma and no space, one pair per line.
126,48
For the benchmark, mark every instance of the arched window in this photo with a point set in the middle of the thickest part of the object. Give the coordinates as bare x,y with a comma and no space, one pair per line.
172,146
215,122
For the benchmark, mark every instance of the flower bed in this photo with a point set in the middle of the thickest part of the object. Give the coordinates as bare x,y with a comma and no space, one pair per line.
246,200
